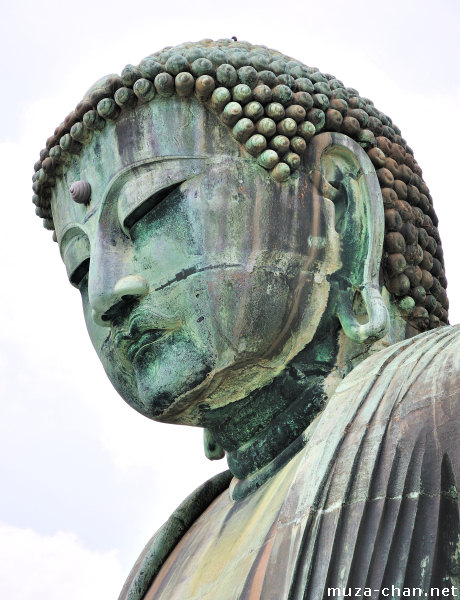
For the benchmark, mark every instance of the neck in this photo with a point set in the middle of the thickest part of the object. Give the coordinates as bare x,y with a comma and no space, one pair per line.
264,430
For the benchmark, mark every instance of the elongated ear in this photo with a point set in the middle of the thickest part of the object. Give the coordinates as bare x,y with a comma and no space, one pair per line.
342,172
212,449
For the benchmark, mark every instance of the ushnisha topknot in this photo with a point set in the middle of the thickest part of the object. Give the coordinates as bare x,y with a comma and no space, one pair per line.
274,106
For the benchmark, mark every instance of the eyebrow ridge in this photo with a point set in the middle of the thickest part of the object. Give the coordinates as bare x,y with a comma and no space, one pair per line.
141,163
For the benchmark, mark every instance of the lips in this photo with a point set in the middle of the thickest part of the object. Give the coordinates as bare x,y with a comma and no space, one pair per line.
143,329
146,339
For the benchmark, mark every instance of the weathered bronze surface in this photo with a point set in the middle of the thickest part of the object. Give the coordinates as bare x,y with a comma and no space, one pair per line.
370,502
256,249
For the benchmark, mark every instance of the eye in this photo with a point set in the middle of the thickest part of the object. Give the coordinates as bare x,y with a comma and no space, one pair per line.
76,253
79,274
146,206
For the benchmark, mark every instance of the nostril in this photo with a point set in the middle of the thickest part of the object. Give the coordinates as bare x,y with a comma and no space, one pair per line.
110,314
113,303
98,319
118,309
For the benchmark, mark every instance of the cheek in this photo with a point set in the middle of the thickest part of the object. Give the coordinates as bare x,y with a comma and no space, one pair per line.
166,370
243,312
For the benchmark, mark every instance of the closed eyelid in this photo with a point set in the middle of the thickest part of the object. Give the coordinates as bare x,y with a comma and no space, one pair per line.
150,184
146,206
75,251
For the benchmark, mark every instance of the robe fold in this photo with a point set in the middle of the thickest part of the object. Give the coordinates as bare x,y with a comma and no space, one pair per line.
370,502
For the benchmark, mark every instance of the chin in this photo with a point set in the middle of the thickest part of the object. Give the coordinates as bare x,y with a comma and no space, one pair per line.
167,370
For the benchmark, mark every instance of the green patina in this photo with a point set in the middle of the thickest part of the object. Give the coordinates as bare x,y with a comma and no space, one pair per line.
226,289
202,277
241,83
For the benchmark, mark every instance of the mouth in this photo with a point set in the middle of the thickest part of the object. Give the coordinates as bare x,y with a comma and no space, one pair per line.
146,339
143,328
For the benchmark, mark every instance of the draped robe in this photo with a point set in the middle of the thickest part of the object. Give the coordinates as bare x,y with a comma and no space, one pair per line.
371,500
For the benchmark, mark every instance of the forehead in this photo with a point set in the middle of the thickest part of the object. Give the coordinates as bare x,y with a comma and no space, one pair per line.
167,135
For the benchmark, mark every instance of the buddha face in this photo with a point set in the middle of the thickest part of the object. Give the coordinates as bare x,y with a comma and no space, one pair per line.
200,276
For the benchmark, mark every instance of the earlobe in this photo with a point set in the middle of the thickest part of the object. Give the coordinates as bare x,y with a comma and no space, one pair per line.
348,178
212,449
377,313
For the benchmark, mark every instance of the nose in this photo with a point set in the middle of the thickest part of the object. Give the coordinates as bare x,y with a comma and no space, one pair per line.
113,280
125,290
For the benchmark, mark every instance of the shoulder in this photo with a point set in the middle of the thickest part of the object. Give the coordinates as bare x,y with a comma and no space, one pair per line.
409,393
166,538
421,362
380,473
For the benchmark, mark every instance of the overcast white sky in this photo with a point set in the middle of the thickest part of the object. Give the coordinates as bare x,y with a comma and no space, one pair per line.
85,481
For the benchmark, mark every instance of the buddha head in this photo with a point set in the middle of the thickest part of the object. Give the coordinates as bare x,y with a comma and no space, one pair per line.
224,209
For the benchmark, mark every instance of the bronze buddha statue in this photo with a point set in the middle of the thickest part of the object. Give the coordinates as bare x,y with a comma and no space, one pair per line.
258,255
